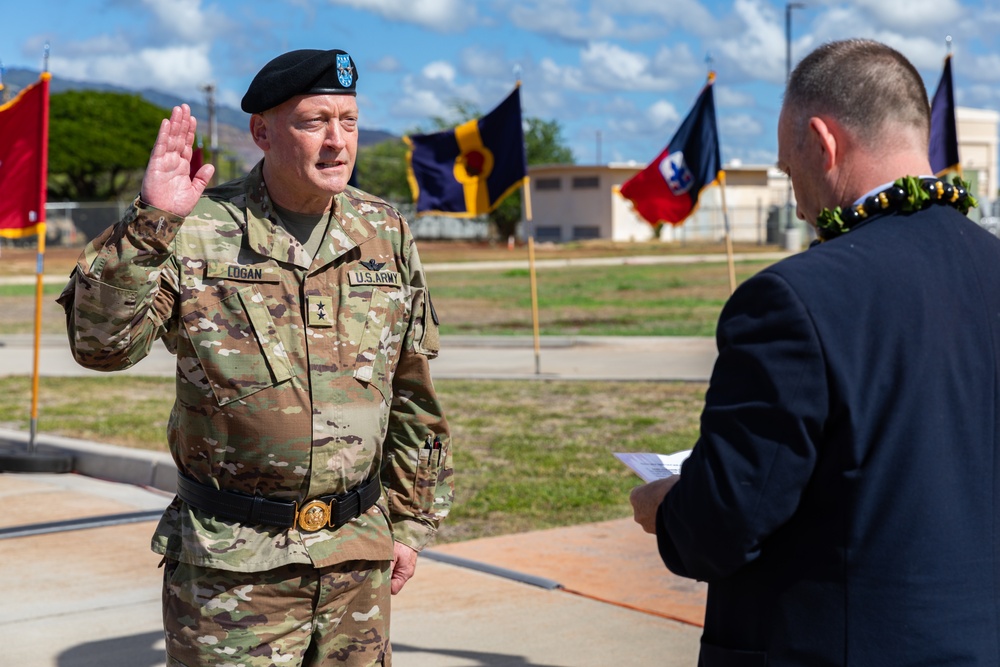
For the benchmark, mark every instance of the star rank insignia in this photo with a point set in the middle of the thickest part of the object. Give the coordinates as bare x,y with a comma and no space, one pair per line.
320,311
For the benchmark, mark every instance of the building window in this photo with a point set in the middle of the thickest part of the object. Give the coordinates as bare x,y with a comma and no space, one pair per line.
583,233
548,234
586,182
548,184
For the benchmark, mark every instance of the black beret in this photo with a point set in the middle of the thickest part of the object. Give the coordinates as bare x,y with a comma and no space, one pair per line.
303,72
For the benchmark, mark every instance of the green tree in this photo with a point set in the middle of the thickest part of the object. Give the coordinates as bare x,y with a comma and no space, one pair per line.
543,144
99,144
381,170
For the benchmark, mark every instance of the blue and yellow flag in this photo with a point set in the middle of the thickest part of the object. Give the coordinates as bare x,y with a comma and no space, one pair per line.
667,189
467,171
944,133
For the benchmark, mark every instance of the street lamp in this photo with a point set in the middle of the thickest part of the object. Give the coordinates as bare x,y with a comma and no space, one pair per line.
789,6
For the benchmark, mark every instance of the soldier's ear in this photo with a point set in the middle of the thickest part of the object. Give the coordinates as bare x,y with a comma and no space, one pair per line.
258,130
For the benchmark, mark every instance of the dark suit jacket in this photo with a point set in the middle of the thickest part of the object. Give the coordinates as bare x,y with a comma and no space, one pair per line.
843,500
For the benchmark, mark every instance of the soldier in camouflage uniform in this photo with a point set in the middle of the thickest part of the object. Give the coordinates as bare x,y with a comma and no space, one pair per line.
314,459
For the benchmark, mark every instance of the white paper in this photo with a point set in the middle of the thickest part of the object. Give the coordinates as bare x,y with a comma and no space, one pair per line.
651,467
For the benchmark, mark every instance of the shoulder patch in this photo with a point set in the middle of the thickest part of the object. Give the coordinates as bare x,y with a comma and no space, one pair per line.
373,278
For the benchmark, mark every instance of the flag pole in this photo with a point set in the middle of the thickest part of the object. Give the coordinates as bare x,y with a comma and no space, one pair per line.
3,100
40,263
526,189
534,279
29,460
729,237
948,43
725,210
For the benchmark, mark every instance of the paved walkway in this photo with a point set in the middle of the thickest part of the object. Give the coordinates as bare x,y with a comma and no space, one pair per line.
592,595
472,357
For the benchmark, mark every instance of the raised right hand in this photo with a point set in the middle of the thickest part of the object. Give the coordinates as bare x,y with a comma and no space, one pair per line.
167,183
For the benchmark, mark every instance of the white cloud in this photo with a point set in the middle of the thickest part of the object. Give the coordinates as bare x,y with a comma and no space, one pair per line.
926,49
417,104
556,76
738,125
486,65
628,20
386,63
434,93
921,16
178,69
678,64
562,19
437,15
689,14
759,50
662,113
657,123
184,18
439,70
726,96
606,66
984,67
980,96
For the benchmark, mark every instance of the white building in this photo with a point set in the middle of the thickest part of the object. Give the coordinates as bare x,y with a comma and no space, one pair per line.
977,149
578,202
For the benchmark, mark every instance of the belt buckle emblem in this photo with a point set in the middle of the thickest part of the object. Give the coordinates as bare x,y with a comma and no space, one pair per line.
314,515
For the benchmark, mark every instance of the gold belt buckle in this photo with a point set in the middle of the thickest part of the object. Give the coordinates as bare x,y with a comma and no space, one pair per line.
314,515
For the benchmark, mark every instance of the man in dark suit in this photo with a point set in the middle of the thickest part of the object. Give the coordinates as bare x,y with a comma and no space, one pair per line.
843,499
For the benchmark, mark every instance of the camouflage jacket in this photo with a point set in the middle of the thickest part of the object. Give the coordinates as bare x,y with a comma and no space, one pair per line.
296,377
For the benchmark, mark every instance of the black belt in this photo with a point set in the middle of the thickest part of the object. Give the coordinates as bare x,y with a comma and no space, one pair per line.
332,510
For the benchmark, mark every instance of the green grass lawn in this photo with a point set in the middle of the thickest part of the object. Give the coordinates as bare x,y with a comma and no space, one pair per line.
528,454
623,300
626,300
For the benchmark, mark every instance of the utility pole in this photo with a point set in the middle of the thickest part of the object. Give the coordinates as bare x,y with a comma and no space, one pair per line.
789,6
213,141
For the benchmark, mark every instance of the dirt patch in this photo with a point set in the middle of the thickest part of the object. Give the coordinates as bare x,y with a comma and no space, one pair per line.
22,261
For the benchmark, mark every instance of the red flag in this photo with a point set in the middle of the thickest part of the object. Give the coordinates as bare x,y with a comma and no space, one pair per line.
197,159
667,190
24,139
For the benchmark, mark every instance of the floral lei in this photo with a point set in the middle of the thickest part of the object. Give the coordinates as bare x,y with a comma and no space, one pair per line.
906,194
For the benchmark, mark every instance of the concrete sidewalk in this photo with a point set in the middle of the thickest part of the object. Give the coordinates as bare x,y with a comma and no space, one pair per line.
89,597
625,358
584,596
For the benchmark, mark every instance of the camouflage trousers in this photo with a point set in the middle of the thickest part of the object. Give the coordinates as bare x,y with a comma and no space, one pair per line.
291,616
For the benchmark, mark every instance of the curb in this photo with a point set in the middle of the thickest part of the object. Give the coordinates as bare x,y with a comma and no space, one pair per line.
108,462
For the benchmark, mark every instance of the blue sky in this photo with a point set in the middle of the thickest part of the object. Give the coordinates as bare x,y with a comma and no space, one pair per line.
617,75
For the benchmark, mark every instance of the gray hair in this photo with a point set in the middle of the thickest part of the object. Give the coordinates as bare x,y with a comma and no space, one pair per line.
863,84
